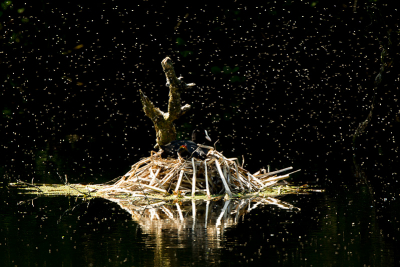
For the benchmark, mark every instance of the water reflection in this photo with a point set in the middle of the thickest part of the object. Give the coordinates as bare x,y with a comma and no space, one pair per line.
337,228
197,215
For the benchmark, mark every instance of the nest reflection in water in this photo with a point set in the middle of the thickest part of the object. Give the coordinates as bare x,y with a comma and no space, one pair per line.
185,193
197,214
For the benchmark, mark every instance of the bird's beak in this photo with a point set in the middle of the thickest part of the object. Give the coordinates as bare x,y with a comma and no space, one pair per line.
207,137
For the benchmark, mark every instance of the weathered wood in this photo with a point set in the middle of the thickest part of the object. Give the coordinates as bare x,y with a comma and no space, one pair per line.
276,178
155,188
163,122
179,181
171,173
194,178
255,179
154,177
228,191
206,176
175,88
237,173
262,176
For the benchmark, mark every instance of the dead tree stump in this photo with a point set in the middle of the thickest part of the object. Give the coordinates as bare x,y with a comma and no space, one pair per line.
163,122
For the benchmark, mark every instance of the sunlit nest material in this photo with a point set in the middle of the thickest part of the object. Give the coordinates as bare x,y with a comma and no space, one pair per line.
214,175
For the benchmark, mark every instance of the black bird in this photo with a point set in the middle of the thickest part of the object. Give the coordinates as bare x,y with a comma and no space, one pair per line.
199,136
184,152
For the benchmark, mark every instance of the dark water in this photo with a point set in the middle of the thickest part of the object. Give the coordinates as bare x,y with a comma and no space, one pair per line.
285,83
339,227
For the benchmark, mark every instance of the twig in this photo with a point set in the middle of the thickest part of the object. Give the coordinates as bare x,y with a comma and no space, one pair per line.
275,172
179,181
194,178
155,188
145,195
22,202
206,175
216,144
223,178
255,179
237,173
154,177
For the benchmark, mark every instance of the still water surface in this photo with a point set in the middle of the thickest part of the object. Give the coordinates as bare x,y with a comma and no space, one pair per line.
334,228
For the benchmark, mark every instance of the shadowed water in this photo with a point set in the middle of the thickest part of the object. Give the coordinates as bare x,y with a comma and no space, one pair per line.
320,229
279,83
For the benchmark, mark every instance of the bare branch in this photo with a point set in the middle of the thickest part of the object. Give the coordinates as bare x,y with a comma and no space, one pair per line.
163,122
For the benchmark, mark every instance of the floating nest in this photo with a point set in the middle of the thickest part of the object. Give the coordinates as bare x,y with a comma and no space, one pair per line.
215,175
154,179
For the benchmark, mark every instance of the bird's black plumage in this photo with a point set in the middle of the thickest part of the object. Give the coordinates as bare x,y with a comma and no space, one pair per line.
199,136
184,152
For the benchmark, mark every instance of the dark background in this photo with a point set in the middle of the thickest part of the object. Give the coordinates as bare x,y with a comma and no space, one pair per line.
284,84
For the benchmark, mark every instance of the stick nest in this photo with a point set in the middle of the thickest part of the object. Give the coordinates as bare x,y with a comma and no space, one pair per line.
214,175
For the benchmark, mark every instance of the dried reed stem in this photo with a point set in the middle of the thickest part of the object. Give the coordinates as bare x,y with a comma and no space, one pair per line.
228,191
194,178
206,175
179,181
215,174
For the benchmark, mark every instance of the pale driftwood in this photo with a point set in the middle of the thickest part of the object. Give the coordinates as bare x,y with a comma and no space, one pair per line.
179,181
276,178
154,179
155,188
169,176
269,174
228,191
206,175
237,172
154,176
255,179
194,178
251,185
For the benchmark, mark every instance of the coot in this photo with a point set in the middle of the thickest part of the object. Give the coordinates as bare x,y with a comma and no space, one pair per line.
199,136
184,152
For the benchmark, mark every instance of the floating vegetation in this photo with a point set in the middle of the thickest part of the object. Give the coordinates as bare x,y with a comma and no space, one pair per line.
78,190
